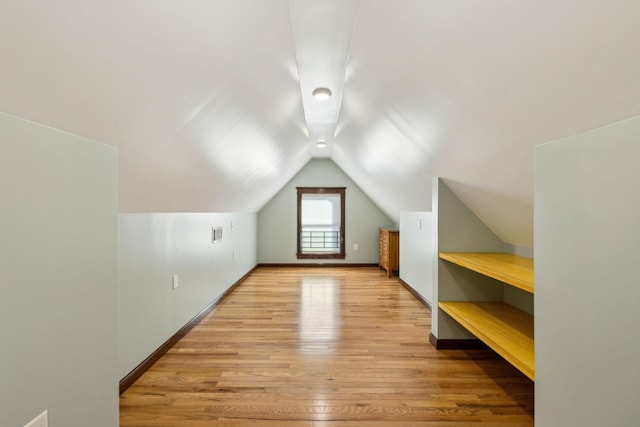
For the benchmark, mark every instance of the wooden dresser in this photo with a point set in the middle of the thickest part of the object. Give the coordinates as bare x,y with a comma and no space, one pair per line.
389,247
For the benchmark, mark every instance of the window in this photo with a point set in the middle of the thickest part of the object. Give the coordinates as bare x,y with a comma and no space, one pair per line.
321,222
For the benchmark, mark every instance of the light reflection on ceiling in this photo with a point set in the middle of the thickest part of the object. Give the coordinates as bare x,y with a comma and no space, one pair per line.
208,101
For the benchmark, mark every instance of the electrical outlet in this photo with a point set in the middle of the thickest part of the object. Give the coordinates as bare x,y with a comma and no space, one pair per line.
356,247
175,281
41,420
216,234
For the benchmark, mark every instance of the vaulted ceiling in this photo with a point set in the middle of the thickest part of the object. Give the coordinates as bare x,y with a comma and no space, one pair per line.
208,100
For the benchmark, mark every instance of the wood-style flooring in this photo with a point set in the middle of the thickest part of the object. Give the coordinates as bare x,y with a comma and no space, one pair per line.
324,347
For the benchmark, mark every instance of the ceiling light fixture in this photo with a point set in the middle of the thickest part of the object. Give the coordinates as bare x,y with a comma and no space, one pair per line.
321,93
321,143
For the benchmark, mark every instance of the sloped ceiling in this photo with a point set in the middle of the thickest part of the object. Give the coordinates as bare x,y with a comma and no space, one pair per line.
203,97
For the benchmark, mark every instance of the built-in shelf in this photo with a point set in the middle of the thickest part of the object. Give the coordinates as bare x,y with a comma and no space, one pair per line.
504,328
498,309
511,269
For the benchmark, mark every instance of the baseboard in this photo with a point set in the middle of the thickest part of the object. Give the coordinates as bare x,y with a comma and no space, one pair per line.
137,372
318,264
456,344
415,293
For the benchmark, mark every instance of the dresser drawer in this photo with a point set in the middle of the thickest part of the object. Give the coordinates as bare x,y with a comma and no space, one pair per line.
389,245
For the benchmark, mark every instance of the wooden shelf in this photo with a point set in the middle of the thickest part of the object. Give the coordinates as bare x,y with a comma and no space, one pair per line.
507,330
511,269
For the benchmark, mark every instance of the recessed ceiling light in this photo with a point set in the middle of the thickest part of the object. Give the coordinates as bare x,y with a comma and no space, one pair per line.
321,93
321,143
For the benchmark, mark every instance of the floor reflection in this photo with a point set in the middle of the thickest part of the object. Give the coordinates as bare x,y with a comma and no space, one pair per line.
319,313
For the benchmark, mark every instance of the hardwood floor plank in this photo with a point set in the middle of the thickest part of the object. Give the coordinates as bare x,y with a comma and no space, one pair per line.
323,347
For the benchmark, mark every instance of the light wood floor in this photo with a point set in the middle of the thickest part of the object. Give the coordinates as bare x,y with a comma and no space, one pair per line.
324,347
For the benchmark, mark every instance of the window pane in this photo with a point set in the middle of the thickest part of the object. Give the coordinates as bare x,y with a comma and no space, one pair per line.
321,209
320,223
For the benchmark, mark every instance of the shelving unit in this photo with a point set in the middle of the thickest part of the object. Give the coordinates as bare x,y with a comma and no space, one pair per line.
482,293
504,328
511,269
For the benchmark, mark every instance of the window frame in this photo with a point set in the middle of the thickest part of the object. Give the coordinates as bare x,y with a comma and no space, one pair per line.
341,191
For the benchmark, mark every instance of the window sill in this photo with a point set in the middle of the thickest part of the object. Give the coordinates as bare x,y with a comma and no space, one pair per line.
320,256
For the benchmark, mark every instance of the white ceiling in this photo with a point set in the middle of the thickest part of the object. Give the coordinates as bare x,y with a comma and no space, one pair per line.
204,99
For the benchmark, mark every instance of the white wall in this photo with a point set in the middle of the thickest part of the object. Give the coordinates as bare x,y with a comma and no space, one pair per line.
417,252
458,229
587,252
58,228
155,246
277,221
